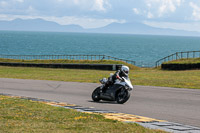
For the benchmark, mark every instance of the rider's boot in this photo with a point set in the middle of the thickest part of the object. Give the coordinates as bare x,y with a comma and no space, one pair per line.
105,87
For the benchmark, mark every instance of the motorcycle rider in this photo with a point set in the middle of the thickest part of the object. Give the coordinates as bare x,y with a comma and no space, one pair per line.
123,72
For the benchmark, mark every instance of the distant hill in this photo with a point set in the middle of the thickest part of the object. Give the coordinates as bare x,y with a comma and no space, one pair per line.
125,28
37,25
140,28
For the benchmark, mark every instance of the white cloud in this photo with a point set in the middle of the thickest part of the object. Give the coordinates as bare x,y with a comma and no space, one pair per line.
167,6
20,1
100,5
91,5
136,11
3,3
60,11
60,0
85,22
31,11
76,2
196,11
149,15
162,7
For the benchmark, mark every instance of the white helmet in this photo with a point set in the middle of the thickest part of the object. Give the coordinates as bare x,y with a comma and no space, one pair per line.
125,70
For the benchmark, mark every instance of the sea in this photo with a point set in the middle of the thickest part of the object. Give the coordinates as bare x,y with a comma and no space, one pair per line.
144,49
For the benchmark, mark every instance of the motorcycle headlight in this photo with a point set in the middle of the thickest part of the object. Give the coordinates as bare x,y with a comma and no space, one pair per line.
128,88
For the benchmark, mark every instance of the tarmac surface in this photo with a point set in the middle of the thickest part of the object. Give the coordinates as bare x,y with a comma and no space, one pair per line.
171,104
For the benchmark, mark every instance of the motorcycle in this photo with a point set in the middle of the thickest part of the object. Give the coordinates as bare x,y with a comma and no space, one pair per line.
119,91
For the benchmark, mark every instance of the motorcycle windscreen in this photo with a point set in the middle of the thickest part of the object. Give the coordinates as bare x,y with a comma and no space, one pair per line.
128,82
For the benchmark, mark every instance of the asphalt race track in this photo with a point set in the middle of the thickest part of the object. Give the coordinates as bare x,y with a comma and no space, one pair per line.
171,104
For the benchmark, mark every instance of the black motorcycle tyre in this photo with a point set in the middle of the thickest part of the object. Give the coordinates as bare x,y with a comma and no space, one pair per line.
96,95
125,98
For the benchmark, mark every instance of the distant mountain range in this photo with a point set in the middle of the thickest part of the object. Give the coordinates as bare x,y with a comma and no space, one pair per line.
37,25
125,28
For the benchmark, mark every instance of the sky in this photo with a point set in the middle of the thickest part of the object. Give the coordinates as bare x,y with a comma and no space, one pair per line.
175,14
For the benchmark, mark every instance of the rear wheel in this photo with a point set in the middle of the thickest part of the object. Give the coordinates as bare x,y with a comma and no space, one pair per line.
122,96
96,95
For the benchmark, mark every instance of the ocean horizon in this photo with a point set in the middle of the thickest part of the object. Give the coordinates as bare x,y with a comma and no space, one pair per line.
144,49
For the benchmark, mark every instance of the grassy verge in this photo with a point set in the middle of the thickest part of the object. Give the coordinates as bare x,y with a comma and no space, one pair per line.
157,77
20,115
70,62
184,61
139,76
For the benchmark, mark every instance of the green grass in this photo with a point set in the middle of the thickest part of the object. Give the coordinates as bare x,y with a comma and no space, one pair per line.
64,61
139,76
70,61
157,77
184,61
20,115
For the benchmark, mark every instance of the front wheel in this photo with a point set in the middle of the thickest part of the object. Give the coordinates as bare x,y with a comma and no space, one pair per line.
122,96
96,95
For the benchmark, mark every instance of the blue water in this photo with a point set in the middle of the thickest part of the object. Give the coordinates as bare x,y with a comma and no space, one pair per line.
144,49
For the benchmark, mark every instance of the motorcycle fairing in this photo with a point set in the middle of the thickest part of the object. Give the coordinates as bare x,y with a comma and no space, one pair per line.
125,83
111,92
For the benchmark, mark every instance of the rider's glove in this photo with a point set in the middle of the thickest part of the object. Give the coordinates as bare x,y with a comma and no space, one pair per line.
118,77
